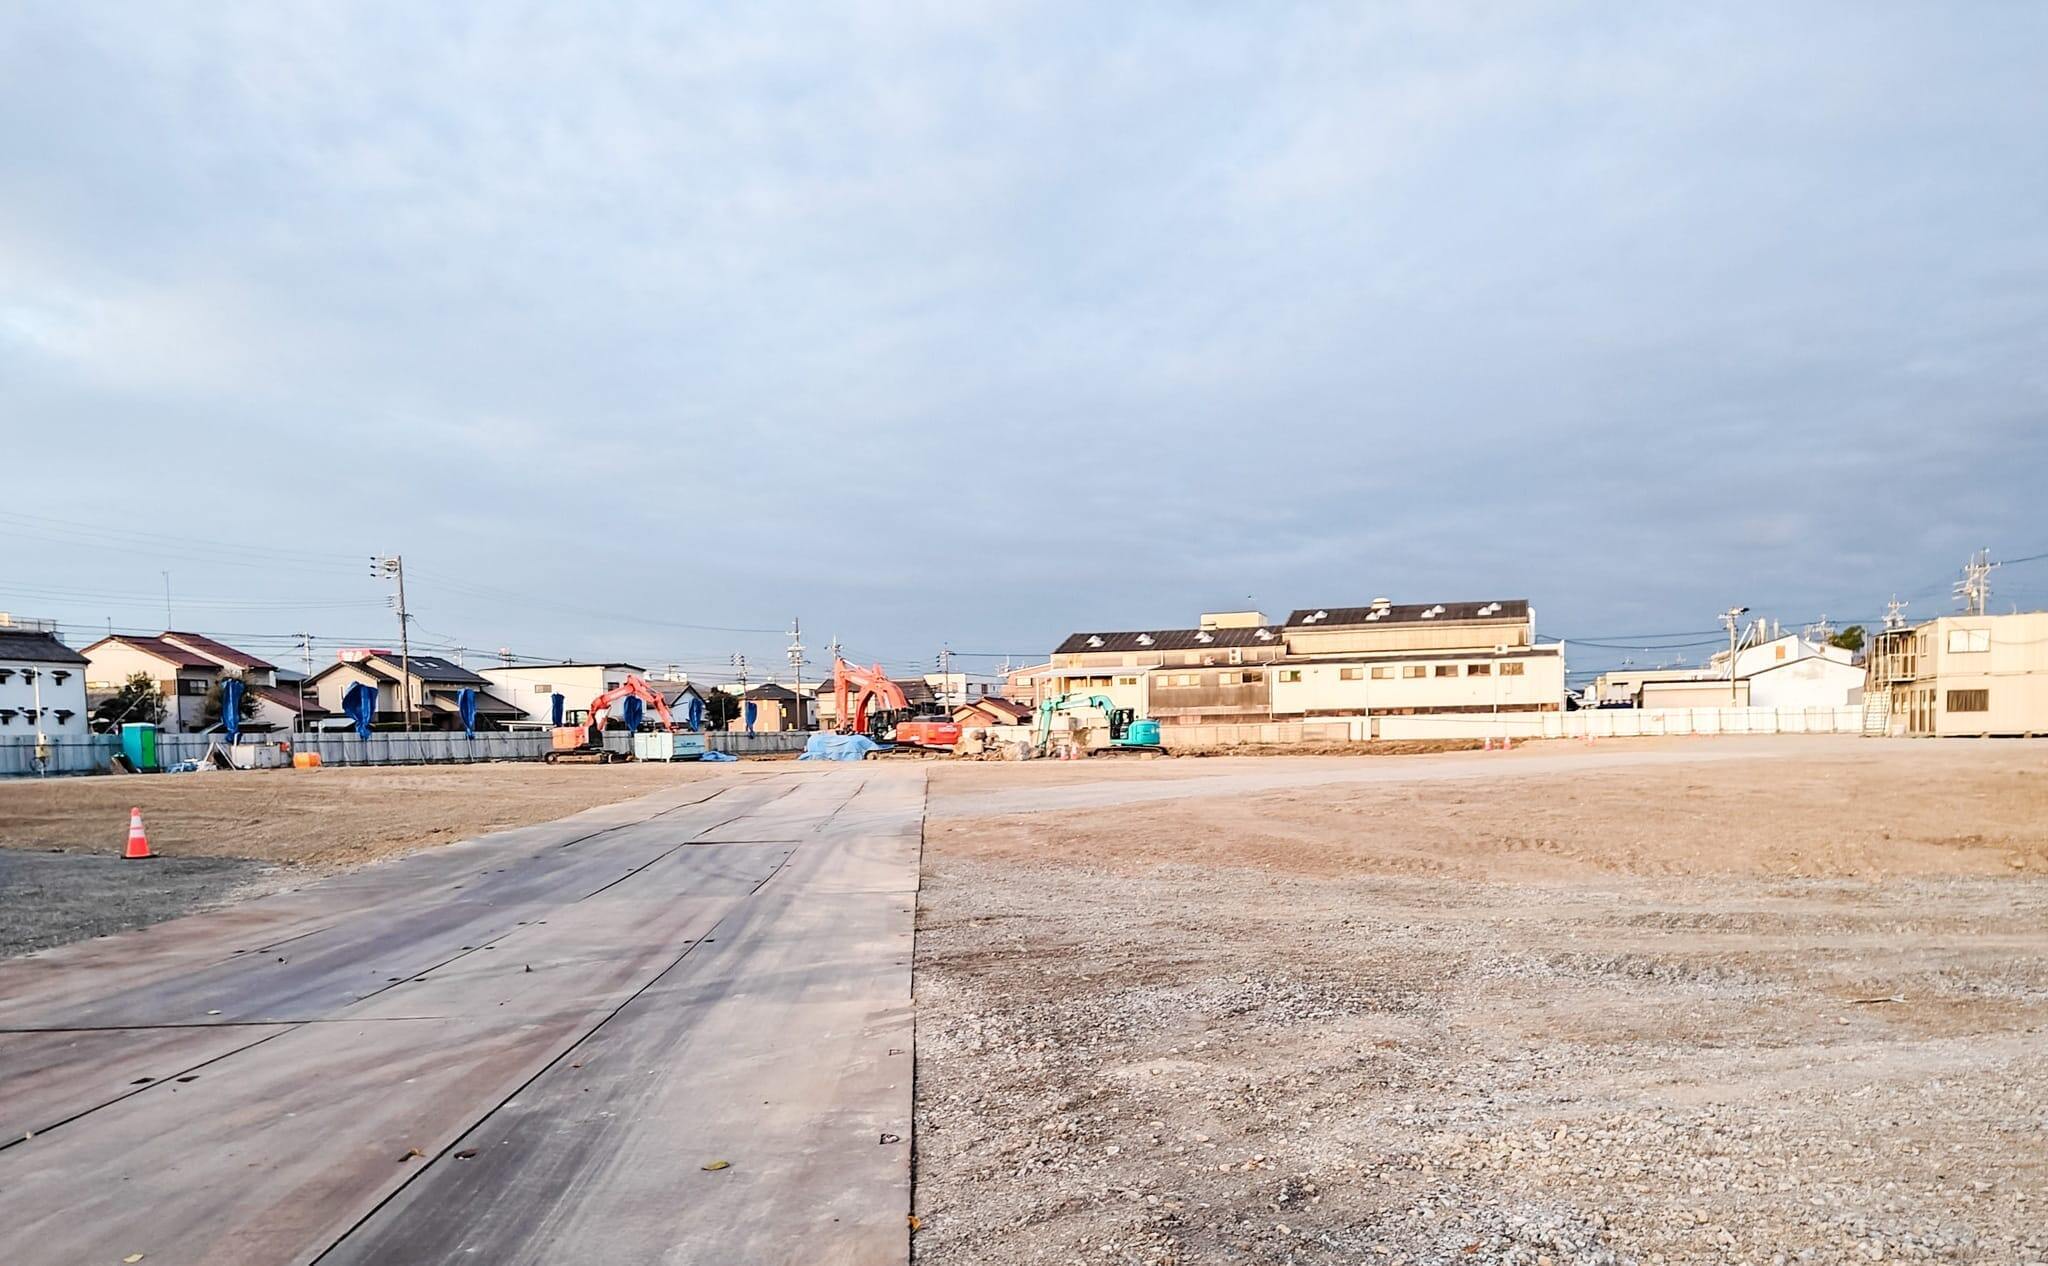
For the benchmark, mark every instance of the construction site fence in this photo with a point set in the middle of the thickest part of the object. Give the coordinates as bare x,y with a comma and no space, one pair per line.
90,754
1596,723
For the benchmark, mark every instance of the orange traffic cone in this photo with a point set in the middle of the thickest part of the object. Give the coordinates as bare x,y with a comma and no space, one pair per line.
138,843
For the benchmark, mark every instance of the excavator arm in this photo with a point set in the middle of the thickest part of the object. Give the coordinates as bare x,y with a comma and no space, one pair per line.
633,687
854,688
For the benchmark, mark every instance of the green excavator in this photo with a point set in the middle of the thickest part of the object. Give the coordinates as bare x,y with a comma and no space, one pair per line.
1128,732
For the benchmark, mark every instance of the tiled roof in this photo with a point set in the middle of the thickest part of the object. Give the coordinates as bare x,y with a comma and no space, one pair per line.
1404,613
217,651
38,648
166,651
435,669
1167,640
289,699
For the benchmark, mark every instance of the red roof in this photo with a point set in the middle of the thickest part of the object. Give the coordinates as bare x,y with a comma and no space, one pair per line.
156,646
219,652
285,697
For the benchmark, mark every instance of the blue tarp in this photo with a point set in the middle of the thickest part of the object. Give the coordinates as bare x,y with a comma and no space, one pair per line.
696,714
231,707
558,702
360,703
839,747
751,711
718,757
634,712
466,704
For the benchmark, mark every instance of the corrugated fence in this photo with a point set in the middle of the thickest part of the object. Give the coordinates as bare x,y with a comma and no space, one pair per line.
94,754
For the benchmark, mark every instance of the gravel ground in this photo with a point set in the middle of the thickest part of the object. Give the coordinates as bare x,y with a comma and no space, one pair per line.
1141,1043
332,818
49,898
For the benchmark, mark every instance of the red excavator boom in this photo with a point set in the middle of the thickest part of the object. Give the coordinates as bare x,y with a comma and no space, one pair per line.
632,687
863,686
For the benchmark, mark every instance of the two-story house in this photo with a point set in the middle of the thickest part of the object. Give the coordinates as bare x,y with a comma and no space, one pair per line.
42,684
426,687
183,677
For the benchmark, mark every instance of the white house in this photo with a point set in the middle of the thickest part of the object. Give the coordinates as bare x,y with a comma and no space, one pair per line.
1811,681
532,687
1751,660
42,685
183,677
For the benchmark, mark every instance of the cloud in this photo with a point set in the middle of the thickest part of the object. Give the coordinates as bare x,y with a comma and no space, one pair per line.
989,321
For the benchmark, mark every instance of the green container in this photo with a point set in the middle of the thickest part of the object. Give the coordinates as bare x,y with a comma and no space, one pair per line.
138,744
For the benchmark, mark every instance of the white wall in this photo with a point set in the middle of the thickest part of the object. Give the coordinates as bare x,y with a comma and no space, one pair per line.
22,694
1784,650
1323,687
1813,682
530,686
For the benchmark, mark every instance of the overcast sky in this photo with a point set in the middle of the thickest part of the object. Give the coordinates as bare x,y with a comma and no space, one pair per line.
985,323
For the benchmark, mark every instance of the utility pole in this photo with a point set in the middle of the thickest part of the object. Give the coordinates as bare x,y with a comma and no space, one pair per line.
306,648
392,566
1894,614
1732,617
739,662
1974,589
796,665
945,672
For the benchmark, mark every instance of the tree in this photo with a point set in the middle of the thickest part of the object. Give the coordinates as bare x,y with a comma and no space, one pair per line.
1849,639
719,709
209,712
138,700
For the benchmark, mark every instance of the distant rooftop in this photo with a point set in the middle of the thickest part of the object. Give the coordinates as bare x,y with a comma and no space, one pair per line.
1403,613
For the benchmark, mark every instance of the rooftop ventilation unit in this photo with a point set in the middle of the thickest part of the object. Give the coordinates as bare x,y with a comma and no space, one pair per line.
1144,639
1429,614
1094,640
1204,636
1264,635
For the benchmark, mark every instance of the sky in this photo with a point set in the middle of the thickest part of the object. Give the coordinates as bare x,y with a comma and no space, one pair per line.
640,330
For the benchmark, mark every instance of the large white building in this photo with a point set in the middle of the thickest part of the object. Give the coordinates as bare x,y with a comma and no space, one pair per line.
1378,660
42,684
533,687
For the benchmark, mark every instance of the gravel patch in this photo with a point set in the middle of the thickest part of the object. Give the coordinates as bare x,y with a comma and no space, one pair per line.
50,898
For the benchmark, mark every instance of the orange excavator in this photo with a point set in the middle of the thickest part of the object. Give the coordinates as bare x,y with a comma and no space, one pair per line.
586,742
855,688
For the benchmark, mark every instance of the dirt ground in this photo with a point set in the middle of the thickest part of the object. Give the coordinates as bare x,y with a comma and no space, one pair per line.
232,836
1735,1001
328,818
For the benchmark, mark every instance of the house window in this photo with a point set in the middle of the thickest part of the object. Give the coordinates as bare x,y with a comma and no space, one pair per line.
1446,670
1351,674
1226,679
191,686
1512,670
543,690
1479,670
1291,675
1414,670
1382,673
1127,681
1968,700
1252,679
1968,641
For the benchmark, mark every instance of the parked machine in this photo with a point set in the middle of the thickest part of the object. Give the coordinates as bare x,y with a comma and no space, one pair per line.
1127,731
866,702
585,743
